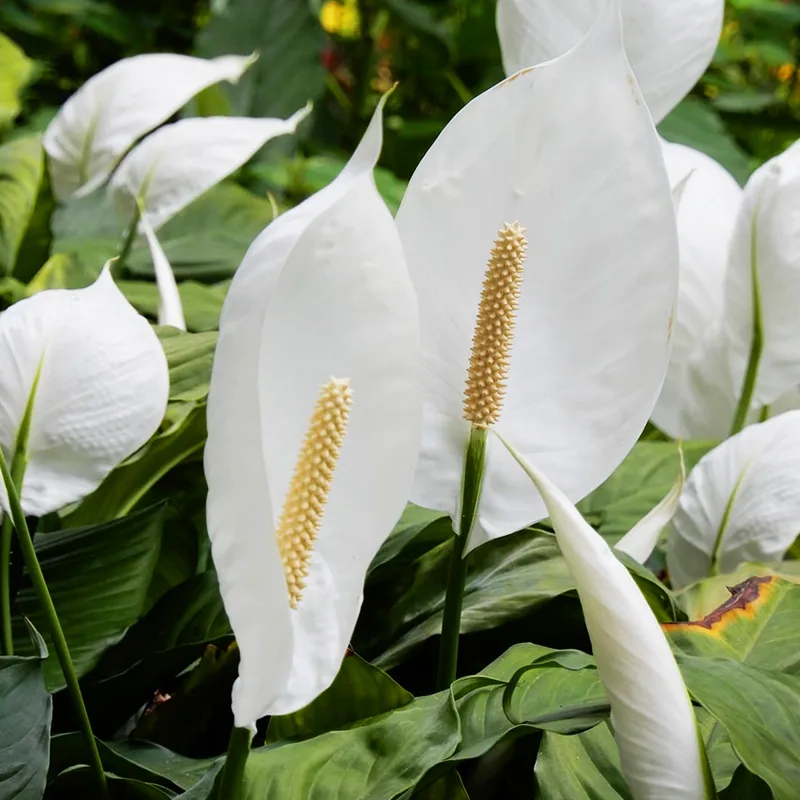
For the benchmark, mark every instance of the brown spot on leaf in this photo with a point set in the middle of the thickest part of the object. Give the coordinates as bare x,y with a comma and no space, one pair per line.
743,602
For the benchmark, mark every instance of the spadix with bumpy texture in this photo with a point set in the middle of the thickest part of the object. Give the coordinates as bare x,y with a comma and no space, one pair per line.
494,328
301,517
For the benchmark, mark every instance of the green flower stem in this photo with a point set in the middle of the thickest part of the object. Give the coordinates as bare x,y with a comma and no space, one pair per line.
130,237
53,623
18,465
230,787
474,462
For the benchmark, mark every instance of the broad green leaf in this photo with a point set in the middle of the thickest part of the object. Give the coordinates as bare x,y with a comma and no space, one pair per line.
359,691
759,710
746,785
289,42
62,271
379,760
81,782
189,357
26,710
98,578
637,485
448,787
21,165
696,124
130,481
411,524
16,70
757,625
582,767
201,304
721,756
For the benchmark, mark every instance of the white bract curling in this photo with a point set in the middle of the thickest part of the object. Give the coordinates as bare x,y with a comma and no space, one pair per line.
654,725
94,376
322,299
740,503
177,163
170,308
97,125
594,305
669,44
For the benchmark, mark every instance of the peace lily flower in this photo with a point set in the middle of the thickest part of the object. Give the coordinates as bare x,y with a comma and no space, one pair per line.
113,109
743,355
669,44
176,164
740,503
84,385
661,752
170,308
307,473
563,341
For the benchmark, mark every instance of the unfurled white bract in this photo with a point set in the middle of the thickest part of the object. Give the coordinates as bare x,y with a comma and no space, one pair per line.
177,163
598,284
97,125
313,432
669,44
654,725
96,377
741,503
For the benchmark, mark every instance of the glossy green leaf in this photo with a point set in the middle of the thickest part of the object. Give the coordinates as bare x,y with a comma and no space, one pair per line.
289,41
189,357
16,70
747,786
26,710
81,782
759,710
359,691
414,522
201,304
21,165
98,578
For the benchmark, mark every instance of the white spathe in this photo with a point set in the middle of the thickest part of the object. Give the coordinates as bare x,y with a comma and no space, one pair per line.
578,164
669,44
322,291
176,164
741,500
651,713
709,203
170,308
113,109
101,391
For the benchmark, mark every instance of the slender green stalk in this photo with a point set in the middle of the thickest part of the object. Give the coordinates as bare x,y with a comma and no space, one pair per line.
474,462
764,414
53,623
233,772
757,342
130,237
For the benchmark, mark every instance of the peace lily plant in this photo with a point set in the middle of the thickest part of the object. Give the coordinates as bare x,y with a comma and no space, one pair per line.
313,435
579,236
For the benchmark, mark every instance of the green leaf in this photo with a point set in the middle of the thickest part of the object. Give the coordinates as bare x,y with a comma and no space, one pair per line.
746,785
81,782
289,41
413,522
420,18
379,760
26,710
201,304
359,691
759,710
582,767
21,166
126,485
696,124
98,578
757,625
189,357
16,70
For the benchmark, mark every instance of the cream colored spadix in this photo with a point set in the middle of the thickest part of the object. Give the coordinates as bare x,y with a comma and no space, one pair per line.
654,726
95,377
94,128
494,328
322,291
304,506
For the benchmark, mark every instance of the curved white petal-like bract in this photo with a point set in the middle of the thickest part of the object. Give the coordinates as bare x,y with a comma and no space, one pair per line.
600,280
651,713
669,44
707,211
322,292
101,390
767,238
177,163
113,109
740,503
170,308
640,541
